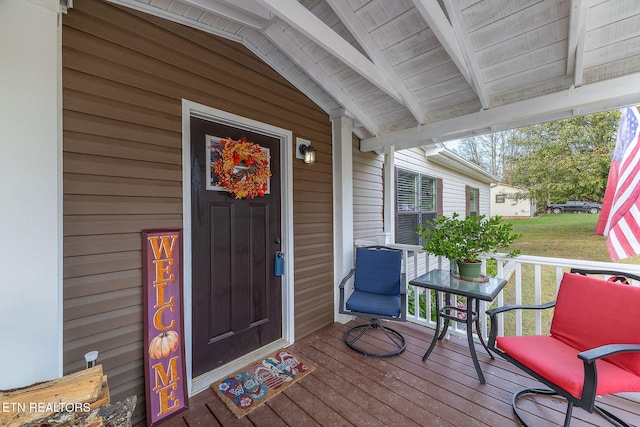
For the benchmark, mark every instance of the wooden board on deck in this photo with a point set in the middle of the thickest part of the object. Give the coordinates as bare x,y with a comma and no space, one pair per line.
43,399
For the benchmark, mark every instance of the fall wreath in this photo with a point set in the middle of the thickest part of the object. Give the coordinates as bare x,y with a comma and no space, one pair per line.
242,168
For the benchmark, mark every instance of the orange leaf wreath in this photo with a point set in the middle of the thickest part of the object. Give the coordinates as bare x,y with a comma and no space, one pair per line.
243,168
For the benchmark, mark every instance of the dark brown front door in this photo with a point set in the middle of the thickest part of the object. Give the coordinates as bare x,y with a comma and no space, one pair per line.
237,304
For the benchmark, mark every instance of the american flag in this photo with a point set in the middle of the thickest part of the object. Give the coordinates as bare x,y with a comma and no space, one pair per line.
620,216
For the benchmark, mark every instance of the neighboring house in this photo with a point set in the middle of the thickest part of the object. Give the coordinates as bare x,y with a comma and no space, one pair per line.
504,203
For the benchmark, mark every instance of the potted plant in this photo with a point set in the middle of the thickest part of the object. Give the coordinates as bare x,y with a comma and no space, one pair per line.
463,240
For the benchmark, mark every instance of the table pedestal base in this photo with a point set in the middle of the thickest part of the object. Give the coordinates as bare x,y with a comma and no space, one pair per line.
471,317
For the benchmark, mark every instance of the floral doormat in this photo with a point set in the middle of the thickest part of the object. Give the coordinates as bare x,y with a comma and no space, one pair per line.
251,386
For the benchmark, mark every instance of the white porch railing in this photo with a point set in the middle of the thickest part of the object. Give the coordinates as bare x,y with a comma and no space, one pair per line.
531,280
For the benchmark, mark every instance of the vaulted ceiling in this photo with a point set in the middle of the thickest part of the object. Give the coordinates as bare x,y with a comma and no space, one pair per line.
414,72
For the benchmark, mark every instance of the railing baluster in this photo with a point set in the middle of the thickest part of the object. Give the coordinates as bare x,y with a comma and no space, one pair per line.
559,273
483,318
500,298
518,293
538,297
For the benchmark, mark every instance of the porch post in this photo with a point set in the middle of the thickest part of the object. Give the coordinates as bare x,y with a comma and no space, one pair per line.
342,128
31,192
389,193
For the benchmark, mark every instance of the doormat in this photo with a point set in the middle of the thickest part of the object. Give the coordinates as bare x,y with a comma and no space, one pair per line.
253,385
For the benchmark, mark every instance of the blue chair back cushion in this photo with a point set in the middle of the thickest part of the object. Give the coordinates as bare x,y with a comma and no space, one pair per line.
378,271
377,282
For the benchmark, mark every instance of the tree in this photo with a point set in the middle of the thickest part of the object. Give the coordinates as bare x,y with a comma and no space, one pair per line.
556,161
487,151
564,160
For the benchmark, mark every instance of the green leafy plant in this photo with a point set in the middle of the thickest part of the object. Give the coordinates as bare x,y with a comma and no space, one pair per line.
466,239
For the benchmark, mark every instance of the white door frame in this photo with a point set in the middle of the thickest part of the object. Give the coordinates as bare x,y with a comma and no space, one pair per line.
192,109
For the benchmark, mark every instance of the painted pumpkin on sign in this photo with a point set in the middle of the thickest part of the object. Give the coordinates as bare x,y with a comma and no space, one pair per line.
164,344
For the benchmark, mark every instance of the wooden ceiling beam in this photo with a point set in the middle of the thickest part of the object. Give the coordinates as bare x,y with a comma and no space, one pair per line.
433,14
277,35
464,40
577,34
358,30
587,99
250,6
231,13
300,18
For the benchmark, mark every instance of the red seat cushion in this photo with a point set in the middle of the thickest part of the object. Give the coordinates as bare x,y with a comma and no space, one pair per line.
589,313
558,362
592,312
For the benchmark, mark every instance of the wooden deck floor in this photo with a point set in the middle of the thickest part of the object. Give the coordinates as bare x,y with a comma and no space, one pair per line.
347,389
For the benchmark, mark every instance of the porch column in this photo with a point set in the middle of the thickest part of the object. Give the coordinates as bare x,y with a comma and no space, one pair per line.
31,192
342,128
389,193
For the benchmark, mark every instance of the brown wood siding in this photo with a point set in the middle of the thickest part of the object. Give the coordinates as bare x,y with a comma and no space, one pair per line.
124,76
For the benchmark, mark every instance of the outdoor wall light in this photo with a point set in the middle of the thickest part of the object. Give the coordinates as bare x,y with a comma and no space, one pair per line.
305,151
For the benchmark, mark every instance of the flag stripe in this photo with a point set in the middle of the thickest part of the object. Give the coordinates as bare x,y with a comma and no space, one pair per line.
603,220
627,189
620,216
628,242
627,183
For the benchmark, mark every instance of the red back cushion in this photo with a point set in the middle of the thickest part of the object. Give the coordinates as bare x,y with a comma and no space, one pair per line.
592,312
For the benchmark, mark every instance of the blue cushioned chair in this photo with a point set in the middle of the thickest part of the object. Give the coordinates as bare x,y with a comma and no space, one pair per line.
379,292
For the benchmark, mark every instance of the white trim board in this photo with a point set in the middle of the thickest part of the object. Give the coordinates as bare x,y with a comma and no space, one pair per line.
192,109
31,192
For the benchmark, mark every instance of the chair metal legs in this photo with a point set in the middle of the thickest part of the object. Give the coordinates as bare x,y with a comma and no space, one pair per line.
610,417
524,391
567,418
395,338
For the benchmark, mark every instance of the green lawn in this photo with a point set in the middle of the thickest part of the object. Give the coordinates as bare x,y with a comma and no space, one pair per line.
560,236
563,236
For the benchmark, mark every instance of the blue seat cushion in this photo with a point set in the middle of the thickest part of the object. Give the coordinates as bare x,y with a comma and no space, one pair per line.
374,304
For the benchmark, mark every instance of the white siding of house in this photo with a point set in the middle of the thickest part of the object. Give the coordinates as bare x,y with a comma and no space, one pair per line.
454,183
368,188
367,193
510,208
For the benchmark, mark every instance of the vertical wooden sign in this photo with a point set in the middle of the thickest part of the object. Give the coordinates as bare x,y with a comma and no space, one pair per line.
164,360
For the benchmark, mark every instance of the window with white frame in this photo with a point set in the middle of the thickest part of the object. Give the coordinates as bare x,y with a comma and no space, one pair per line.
473,201
418,200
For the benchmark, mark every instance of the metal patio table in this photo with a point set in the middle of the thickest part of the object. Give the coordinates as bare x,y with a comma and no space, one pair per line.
485,289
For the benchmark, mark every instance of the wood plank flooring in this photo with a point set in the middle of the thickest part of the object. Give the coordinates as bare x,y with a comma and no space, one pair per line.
348,389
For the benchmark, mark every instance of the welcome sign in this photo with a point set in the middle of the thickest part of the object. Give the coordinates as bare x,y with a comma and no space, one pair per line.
165,369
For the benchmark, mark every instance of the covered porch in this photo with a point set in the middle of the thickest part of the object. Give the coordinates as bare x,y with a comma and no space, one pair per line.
351,389
347,389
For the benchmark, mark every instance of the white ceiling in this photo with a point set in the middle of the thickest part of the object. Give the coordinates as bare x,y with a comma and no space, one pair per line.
414,72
